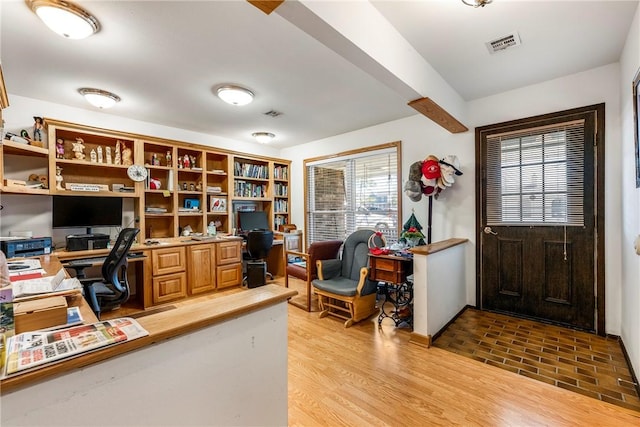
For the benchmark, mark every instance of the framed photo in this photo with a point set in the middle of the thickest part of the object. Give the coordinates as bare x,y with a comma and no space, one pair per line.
636,123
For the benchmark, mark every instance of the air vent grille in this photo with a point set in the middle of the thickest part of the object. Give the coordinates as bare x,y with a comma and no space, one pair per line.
503,42
273,113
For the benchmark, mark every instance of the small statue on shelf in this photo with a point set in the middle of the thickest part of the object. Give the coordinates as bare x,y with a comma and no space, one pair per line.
100,158
59,148
59,178
186,162
199,186
37,128
193,161
126,155
78,149
168,158
108,151
154,160
117,160
93,156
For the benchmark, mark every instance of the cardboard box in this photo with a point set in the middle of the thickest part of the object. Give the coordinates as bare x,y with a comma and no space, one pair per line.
39,313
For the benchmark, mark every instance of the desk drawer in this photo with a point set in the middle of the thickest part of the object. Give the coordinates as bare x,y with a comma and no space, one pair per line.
228,252
228,275
169,287
168,260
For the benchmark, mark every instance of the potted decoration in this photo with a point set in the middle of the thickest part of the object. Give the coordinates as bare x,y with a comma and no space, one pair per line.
412,236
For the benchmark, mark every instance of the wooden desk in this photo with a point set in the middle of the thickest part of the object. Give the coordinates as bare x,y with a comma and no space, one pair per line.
398,292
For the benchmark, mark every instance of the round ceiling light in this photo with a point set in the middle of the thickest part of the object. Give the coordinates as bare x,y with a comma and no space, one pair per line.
263,137
65,18
99,98
476,3
235,95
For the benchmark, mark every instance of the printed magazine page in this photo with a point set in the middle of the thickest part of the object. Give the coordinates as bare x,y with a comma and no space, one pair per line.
31,349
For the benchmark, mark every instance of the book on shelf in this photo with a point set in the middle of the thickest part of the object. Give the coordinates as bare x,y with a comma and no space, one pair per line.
151,209
33,349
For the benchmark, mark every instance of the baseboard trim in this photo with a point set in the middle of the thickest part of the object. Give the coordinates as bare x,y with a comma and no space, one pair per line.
437,334
419,339
631,371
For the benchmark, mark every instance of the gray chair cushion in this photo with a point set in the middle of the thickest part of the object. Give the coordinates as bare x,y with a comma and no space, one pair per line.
339,286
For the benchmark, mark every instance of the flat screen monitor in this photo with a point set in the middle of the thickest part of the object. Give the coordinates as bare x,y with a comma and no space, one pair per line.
86,212
253,221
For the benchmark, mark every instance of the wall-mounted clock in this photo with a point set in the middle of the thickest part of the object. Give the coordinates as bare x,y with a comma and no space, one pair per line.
137,173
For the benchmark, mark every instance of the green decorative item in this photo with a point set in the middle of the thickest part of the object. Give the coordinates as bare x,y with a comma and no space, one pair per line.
412,232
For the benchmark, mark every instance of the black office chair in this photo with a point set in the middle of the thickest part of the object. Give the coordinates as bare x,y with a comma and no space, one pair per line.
259,243
112,289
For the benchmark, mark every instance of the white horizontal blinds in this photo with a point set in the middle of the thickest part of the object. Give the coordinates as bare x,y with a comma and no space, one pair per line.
536,176
352,192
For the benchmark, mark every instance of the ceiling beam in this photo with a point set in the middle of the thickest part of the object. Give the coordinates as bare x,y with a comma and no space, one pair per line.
372,44
267,6
429,108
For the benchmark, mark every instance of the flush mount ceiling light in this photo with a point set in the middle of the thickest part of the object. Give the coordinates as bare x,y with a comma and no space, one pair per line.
263,137
65,18
235,95
476,3
99,98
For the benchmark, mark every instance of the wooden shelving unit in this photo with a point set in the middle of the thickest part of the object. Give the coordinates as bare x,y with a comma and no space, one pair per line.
217,181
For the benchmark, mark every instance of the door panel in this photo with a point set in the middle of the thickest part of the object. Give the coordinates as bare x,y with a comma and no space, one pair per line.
539,270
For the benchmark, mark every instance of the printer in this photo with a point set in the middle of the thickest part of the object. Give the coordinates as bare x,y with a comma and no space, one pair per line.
20,248
83,242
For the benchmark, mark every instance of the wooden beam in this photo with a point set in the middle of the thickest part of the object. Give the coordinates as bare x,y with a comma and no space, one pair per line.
427,107
267,6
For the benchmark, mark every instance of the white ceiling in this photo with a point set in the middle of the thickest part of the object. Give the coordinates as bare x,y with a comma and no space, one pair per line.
164,59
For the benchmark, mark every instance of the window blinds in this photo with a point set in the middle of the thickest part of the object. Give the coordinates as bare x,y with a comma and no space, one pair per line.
351,192
536,176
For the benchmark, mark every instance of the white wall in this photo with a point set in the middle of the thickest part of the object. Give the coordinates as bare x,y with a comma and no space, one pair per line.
33,213
454,212
630,271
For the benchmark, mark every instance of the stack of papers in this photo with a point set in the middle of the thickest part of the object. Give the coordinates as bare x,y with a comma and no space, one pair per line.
45,285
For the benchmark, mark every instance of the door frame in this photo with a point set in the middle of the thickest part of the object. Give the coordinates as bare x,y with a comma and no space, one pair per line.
599,118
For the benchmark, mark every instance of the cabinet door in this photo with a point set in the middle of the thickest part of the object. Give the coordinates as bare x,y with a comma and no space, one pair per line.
201,268
168,260
229,253
169,287
229,275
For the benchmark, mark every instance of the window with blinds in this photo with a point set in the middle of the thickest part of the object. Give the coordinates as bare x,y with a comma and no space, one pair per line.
536,176
350,192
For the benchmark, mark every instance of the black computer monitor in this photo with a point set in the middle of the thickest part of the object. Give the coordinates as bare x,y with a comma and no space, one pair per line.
86,212
257,220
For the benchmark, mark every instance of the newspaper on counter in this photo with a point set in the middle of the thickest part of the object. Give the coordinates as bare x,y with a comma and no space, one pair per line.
32,349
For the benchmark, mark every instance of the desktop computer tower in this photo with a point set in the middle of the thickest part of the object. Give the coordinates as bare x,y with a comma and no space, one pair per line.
256,274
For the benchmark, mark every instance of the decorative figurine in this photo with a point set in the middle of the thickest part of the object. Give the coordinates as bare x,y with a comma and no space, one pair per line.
154,160
117,159
186,161
108,150
193,161
126,155
78,149
199,186
93,156
168,158
59,178
59,148
192,187
184,185
100,158
37,128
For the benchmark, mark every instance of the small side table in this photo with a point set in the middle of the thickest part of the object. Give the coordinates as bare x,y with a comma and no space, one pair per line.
393,271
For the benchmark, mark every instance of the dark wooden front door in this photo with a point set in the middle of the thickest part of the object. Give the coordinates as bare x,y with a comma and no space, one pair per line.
537,228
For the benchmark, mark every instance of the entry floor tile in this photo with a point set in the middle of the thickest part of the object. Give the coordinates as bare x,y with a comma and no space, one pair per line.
574,360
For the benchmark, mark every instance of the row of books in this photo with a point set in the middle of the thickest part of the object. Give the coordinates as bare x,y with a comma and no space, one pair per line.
280,206
249,189
250,170
280,189
281,172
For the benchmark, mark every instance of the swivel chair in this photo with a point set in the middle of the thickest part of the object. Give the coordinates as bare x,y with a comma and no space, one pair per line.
112,289
259,243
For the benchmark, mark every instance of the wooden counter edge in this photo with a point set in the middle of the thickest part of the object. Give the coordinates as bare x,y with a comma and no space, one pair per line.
438,246
162,326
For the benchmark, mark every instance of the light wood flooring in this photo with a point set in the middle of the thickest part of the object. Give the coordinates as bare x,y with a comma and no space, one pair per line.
370,376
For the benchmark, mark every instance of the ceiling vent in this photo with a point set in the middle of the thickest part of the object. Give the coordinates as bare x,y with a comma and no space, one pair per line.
273,113
503,42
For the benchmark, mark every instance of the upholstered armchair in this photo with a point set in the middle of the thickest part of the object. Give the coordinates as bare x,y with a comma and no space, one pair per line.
342,285
306,268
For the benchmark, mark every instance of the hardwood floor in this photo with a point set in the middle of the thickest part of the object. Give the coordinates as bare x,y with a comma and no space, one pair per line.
370,376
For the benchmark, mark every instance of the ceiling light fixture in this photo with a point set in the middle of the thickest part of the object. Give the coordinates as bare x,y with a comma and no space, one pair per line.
99,98
65,18
263,137
235,95
476,3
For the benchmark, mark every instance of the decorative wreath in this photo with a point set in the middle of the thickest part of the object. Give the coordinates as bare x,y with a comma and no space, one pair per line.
374,242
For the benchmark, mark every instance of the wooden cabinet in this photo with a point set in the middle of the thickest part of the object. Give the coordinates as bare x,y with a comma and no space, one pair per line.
168,266
201,268
280,194
15,158
228,264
